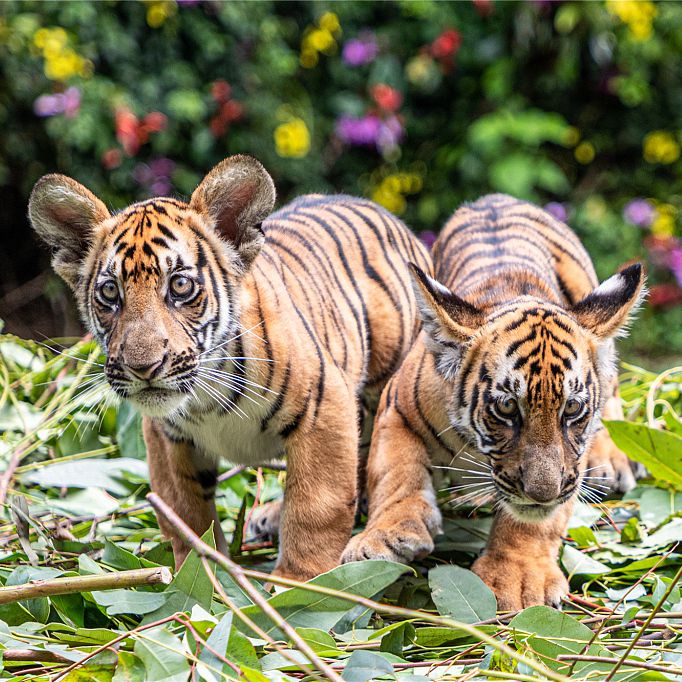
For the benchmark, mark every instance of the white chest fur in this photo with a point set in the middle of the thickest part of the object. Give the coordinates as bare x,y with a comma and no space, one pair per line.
234,436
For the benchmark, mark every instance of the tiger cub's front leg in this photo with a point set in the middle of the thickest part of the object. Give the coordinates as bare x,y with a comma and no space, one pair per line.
186,481
320,495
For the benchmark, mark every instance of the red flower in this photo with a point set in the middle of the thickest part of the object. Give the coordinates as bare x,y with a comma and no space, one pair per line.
127,125
111,158
665,295
154,122
484,7
446,44
220,91
386,97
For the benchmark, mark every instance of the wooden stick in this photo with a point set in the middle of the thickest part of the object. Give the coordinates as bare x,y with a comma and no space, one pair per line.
236,573
240,576
86,583
30,655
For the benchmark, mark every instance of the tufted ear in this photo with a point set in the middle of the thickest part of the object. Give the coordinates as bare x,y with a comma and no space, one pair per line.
238,194
606,311
449,321
64,214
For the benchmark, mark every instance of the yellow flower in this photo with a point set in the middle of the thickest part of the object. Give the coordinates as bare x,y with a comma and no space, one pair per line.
319,39
61,61
391,190
584,153
638,15
158,11
664,222
660,146
292,139
572,136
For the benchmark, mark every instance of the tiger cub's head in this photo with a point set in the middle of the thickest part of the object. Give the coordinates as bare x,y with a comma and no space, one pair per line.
526,382
156,283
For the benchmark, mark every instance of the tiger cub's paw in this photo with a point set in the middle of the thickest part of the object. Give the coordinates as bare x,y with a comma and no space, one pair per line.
520,581
264,521
609,469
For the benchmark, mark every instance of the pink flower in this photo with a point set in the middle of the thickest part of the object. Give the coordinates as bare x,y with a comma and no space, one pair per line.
639,212
67,103
558,210
361,50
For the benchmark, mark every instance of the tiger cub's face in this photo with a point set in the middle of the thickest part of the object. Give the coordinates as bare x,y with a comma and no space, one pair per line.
156,283
526,383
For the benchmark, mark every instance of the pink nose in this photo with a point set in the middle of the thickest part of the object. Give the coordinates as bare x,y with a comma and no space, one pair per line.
145,372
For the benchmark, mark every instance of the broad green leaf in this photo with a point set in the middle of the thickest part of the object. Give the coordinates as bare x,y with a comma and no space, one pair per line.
231,645
656,504
162,655
129,432
94,473
302,608
129,601
548,633
129,669
190,586
433,636
364,665
576,562
91,501
583,537
461,594
91,672
320,642
659,451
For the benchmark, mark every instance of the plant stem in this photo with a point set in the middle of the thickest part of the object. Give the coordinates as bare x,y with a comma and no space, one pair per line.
86,583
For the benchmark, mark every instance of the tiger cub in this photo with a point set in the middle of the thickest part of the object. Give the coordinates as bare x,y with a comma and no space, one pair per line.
243,335
514,366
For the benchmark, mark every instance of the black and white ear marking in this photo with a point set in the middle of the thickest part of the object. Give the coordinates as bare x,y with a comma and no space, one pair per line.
606,311
238,194
450,322
64,214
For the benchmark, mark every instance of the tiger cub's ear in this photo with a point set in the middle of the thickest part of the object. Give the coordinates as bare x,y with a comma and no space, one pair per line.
64,214
606,311
238,194
448,320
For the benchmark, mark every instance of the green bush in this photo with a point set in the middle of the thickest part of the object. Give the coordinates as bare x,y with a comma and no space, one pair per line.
419,105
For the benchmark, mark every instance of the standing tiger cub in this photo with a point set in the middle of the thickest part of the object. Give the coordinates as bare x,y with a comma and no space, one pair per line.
243,336
515,364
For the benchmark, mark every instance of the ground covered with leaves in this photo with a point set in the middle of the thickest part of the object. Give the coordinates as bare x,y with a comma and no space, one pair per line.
73,486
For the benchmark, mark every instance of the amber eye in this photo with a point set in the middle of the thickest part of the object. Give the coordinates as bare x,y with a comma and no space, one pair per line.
572,407
507,406
181,287
108,290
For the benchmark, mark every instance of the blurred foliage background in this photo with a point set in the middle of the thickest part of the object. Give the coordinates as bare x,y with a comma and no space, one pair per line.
419,105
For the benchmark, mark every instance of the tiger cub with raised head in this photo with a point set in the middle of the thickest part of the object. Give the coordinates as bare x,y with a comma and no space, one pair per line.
515,365
243,335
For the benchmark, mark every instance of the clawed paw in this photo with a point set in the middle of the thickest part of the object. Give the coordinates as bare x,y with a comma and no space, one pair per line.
264,521
405,542
519,582
609,469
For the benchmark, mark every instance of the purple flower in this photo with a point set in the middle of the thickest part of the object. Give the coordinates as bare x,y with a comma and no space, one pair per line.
558,210
675,264
67,103
155,176
359,131
428,237
390,133
639,212
361,50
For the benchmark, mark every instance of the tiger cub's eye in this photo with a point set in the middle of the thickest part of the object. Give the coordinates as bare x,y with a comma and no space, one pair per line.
572,407
108,290
181,286
507,406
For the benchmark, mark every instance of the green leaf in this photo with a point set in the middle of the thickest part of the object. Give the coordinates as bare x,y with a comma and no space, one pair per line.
302,608
129,601
129,432
364,665
461,594
190,586
94,473
548,633
576,562
583,536
162,655
320,642
129,669
659,451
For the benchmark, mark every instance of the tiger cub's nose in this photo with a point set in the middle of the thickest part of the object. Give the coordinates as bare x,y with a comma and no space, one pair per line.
145,372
